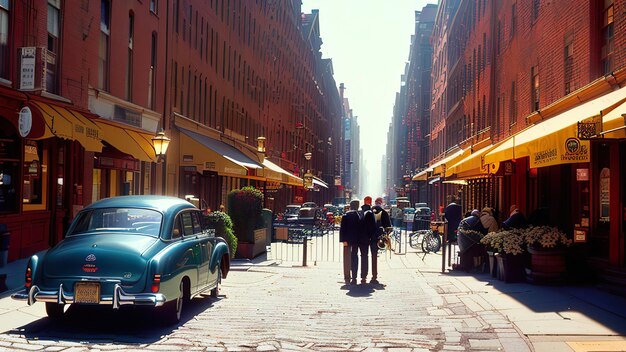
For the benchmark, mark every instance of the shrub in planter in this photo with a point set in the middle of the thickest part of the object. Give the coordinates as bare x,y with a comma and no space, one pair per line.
244,208
223,226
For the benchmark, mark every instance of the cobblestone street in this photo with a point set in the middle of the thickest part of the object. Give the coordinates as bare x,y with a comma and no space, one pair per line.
282,306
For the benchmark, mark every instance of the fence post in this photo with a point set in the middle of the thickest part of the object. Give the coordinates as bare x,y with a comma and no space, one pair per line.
304,244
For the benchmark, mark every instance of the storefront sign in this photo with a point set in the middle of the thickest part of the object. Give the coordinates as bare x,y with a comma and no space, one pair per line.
605,195
27,68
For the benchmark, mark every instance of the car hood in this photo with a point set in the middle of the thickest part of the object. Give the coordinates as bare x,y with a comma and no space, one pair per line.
103,255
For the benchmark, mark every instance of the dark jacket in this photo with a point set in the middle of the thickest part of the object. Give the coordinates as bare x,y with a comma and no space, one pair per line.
453,215
472,222
368,226
350,227
515,221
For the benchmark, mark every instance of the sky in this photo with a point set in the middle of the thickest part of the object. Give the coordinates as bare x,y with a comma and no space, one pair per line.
368,42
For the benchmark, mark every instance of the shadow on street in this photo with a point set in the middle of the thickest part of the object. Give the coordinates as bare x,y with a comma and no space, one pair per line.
101,324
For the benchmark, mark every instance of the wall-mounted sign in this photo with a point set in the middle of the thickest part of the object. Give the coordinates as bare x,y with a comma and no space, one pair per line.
509,168
580,235
25,121
605,194
27,68
582,174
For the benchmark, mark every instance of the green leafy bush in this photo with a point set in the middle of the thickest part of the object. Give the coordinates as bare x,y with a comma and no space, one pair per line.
244,208
223,226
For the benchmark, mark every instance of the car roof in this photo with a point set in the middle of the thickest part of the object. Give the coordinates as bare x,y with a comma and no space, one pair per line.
164,204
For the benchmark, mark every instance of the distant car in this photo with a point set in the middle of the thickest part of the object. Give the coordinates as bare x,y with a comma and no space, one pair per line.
408,214
422,217
130,251
309,205
311,216
291,213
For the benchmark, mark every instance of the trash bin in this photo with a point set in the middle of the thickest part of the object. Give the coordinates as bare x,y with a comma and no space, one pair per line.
5,236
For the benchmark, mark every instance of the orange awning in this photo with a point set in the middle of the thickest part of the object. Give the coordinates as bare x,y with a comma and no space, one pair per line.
126,140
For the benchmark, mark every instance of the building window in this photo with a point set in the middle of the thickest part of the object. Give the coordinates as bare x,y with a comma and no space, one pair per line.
53,46
4,38
129,63
96,185
103,52
569,67
154,6
534,93
513,105
607,37
152,73
513,19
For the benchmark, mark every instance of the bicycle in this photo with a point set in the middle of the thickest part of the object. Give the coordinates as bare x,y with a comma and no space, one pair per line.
427,240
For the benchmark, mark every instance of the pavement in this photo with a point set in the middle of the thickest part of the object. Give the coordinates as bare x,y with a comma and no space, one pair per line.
270,304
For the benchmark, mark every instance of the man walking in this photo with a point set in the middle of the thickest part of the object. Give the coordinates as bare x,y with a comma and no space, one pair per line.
382,223
366,236
348,234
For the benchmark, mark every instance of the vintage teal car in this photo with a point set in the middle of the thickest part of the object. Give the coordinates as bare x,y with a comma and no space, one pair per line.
130,250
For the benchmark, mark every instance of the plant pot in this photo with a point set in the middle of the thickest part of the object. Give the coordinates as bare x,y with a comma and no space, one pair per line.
546,265
510,267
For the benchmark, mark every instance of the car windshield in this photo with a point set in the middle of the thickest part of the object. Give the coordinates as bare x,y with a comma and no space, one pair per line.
292,211
128,220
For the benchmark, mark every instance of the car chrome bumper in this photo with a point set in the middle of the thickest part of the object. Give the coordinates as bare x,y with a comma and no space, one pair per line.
119,297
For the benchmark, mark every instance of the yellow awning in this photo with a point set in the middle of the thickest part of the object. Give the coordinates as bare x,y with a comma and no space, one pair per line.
473,165
196,149
276,173
440,166
137,144
69,124
422,175
614,123
555,141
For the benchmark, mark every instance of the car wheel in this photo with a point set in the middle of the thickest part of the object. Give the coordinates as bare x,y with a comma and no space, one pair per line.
216,290
54,310
172,310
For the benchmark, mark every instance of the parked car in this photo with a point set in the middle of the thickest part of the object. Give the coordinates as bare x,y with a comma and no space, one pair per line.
130,251
422,217
309,205
290,215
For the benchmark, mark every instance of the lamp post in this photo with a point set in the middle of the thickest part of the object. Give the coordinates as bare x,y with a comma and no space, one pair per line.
308,176
160,142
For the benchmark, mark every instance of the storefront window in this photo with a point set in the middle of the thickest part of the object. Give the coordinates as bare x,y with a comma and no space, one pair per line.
9,169
32,191
131,183
60,175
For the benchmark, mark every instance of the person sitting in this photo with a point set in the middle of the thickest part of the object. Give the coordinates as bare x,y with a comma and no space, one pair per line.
488,221
516,219
469,233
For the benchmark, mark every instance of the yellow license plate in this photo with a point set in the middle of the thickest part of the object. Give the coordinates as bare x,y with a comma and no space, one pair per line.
87,292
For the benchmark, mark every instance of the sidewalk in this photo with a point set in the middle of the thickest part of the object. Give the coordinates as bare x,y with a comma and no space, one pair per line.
473,311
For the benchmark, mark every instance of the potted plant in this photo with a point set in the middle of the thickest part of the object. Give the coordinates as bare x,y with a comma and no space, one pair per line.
546,245
223,226
510,250
245,208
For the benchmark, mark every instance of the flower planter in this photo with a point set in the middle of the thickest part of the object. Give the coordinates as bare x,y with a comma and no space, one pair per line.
546,265
510,267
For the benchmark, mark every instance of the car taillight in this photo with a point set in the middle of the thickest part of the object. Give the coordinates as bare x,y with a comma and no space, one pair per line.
156,283
28,277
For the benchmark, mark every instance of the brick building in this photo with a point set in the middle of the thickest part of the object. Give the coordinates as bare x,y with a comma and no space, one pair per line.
534,108
85,87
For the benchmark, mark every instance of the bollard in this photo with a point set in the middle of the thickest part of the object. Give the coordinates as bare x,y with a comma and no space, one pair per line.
5,237
304,243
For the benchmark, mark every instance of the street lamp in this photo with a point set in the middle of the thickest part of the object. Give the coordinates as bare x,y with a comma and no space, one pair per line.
308,176
260,144
160,142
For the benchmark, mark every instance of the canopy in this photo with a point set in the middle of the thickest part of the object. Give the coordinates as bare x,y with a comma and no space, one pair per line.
554,141
123,138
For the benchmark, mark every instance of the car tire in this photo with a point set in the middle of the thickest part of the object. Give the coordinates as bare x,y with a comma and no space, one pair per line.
215,292
172,310
55,311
